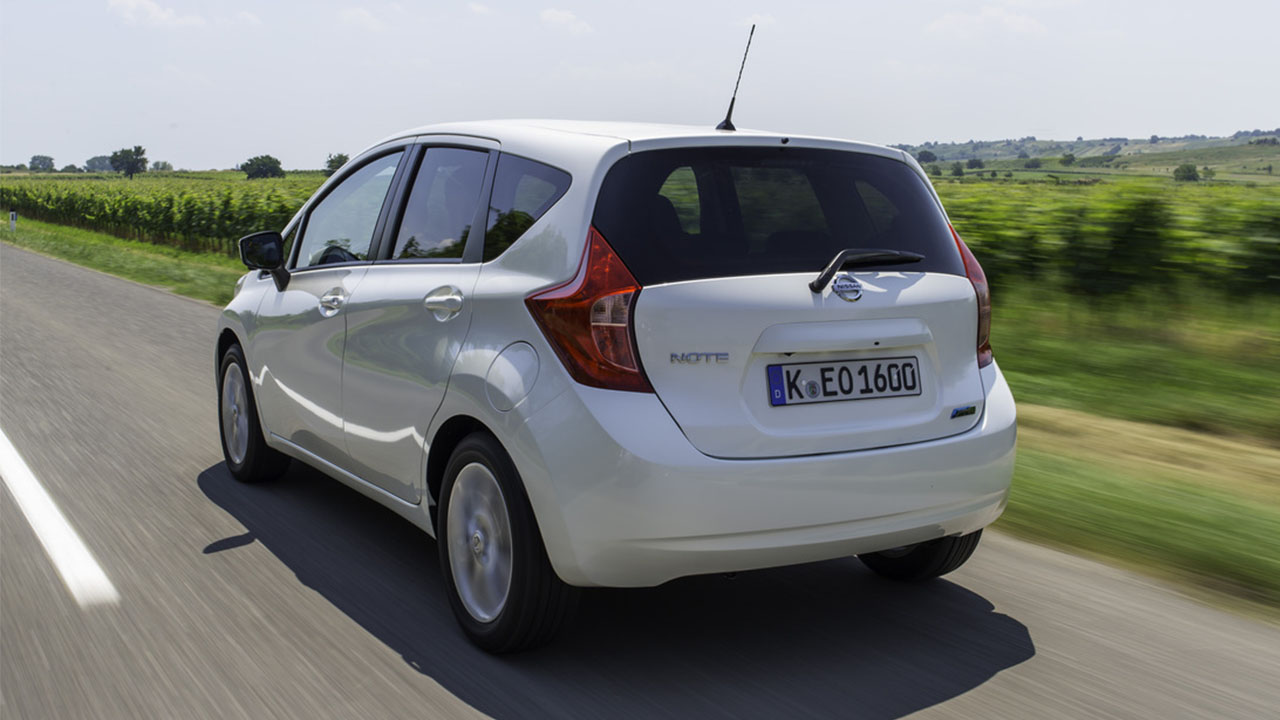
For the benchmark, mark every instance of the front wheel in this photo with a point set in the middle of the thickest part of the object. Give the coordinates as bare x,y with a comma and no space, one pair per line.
243,446
500,583
924,560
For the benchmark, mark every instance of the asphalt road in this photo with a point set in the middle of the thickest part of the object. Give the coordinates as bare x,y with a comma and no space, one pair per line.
302,599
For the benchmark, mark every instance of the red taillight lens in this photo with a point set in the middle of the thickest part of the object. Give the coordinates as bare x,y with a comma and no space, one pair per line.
588,320
979,281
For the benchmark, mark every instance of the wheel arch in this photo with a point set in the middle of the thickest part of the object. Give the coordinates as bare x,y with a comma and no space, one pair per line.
443,442
226,339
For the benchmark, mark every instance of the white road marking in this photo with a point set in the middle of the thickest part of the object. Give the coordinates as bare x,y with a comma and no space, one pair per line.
82,574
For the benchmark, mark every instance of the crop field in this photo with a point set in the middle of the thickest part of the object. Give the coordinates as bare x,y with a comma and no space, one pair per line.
205,211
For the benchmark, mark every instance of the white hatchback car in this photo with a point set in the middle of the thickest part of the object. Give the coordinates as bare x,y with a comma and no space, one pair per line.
596,354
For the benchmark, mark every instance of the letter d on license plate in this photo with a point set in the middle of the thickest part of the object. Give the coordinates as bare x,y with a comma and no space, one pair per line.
815,382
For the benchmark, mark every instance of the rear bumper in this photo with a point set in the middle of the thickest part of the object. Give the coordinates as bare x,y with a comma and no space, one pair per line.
624,500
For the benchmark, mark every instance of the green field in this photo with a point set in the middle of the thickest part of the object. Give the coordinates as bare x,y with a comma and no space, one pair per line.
204,211
1137,319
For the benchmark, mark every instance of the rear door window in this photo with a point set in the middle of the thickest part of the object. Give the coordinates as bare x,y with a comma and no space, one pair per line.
695,213
442,205
523,190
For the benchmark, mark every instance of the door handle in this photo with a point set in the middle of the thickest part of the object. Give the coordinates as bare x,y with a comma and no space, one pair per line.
443,302
332,301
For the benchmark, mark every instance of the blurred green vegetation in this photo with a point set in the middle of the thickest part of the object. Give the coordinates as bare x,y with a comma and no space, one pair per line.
200,211
1195,529
1149,301
1191,506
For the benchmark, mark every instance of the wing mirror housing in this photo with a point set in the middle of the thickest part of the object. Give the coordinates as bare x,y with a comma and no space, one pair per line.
265,251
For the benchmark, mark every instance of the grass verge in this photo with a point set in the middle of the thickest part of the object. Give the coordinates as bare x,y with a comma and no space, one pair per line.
1198,507
1202,364
205,276
1183,505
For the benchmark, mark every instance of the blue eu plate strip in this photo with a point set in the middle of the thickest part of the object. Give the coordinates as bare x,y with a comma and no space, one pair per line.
777,389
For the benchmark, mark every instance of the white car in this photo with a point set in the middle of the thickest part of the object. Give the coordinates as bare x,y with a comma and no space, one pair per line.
600,354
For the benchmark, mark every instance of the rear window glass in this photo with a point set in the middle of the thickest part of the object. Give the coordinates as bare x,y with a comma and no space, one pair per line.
523,190
694,213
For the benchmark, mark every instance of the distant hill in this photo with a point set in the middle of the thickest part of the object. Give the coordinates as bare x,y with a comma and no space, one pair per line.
1031,147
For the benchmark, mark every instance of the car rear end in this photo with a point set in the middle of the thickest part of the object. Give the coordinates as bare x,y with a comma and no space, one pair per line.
723,414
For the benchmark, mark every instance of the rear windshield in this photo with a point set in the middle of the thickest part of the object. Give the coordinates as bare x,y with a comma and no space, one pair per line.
694,213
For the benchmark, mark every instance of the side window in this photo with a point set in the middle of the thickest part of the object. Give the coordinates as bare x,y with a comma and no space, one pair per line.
442,204
340,227
523,190
681,190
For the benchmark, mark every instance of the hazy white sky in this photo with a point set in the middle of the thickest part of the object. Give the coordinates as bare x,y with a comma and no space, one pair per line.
205,84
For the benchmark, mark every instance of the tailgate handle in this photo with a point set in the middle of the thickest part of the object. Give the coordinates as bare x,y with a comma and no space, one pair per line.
842,335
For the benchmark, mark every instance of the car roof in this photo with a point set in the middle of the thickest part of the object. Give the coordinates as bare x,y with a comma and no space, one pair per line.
570,142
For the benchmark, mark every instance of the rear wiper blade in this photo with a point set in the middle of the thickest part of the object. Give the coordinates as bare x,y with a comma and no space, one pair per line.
861,257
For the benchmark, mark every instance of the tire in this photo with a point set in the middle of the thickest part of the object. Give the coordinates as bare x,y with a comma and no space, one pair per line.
501,586
244,447
924,561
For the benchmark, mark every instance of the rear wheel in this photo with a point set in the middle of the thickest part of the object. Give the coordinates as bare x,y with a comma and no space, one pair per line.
500,583
925,560
243,445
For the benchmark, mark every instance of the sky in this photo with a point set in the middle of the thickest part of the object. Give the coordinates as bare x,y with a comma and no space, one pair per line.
208,84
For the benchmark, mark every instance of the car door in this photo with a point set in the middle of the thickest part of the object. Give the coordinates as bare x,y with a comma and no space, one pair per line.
298,344
407,319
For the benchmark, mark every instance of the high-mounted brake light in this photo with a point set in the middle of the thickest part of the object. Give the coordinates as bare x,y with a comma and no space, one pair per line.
979,281
588,320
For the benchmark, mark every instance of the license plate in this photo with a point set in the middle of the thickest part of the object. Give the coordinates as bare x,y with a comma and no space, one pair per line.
816,382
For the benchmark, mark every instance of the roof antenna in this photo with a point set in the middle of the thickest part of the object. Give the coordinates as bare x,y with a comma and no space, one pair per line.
727,124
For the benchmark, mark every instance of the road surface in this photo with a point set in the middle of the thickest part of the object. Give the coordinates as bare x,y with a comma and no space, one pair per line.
302,599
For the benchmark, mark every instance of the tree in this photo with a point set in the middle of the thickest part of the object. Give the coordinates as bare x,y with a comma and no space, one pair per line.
1186,172
1154,139
1032,164
262,166
957,169
975,164
98,163
129,162
924,156
1207,172
71,169
935,171
1067,159
994,173
334,162
1022,155
41,163
161,165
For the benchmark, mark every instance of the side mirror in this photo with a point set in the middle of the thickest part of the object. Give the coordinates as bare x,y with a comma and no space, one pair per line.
265,251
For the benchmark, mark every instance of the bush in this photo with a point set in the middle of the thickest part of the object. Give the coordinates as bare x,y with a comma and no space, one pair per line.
1186,172
974,164
1032,164
335,162
262,166
957,170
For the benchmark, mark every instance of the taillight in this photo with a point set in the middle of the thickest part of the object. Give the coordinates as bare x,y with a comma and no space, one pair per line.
979,281
588,320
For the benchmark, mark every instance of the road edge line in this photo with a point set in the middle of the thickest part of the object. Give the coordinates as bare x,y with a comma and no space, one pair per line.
83,576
